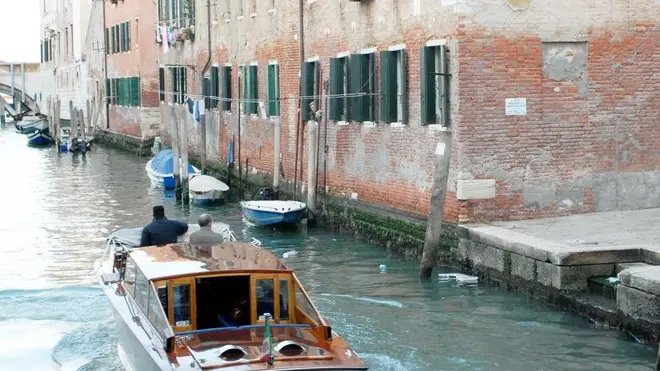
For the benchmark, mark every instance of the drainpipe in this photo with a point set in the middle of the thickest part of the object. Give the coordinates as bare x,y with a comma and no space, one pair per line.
105,73
301,9
206,67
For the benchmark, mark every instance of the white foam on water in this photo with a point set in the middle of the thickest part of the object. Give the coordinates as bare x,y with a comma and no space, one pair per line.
391,303
29,344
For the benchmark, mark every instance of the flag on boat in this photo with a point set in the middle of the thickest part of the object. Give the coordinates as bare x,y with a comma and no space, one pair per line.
266,351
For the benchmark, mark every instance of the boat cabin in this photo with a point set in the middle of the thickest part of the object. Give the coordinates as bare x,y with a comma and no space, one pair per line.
229,285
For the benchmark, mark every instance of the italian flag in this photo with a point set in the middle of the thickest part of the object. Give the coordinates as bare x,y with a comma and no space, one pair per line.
266,350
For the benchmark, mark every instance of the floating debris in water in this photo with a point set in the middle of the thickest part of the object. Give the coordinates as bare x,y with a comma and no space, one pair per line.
613,279
383,268
460,277
289,254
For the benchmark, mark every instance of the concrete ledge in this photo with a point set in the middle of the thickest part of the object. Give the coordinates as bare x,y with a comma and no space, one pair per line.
139,146
646,279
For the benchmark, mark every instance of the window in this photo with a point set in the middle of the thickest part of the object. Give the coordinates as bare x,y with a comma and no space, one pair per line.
66,40
265,293
310,88
214,88
239,4
338,89
123,91
179,84
181,305
361,87
158,309
161,84
284,299
226,88
126,36
142,291
434,85
305,306
178,13
107,38
129,276
393,86
273,90
41,49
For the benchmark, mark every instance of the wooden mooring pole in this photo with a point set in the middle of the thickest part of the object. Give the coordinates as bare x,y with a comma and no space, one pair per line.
174,132
439,192
184,161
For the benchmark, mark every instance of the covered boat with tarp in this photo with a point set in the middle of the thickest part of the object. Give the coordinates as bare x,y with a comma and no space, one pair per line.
205,189
160,169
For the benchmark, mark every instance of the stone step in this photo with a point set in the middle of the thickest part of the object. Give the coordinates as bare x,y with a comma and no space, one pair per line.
621,266
604,286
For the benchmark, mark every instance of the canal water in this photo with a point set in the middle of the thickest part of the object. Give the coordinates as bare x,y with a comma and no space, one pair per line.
56,210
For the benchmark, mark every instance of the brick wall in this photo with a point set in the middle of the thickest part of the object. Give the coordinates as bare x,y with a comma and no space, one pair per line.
586,143
589,140
139,61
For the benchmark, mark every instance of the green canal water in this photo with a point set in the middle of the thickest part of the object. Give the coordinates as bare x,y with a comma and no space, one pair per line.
56,210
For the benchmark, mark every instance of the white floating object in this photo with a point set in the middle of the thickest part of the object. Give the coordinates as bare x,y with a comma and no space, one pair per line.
290,254
383,267
460,277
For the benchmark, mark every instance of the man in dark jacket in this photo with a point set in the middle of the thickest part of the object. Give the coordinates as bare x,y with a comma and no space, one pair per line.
205,236
161,230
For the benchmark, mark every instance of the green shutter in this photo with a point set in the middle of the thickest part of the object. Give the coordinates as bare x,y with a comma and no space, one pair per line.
184,84
243,88
214,88
173,87
206,87
336,89
128,36
112,34
404,86
444,87
159,11
122,38
107,91
427,84
161,84
309,69
254,89
388,98
117,37
358,82
271,92
137,101
168,6
226,88
106,45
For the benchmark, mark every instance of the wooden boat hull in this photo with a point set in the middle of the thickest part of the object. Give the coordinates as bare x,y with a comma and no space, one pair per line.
263,217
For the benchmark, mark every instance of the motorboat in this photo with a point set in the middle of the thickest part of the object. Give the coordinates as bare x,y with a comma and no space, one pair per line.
40,138
160,169
205,189
269,212
30,124
232,306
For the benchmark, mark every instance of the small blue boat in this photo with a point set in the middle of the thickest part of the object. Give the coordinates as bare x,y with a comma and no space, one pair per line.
270,212
40,138
160,169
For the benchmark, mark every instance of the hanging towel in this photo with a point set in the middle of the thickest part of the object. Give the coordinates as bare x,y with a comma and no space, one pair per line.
165,38
196,114
202,105
190,104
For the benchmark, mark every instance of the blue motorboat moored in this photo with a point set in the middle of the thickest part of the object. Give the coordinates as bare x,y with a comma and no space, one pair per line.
40,138
160,169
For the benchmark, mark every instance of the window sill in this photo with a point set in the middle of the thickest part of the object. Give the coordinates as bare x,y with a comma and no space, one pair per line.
397,125
227,20
369,124
253,15
342,123
437,127
239,18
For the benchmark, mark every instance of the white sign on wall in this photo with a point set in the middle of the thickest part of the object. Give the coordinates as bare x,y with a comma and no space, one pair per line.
515,106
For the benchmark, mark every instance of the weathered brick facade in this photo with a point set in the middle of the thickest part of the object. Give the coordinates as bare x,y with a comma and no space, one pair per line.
588,71
139,61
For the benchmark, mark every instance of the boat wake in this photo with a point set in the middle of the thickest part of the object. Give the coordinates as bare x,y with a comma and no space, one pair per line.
61,329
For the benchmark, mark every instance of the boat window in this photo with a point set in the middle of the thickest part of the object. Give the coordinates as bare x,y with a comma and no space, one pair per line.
305,306
141,291
181,305
284,299
129,276
265,293
157,315
223,301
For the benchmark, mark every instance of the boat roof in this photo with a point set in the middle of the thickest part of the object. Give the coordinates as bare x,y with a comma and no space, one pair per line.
157,262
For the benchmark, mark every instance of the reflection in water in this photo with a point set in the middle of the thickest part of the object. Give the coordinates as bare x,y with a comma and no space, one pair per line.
58,208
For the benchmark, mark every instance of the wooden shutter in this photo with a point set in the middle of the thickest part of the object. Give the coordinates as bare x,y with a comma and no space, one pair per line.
271,92
206,87
128,36
427,84
226,88
108,93
388,98
161,84
403,86
336,89
214,87
254,89
358,82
